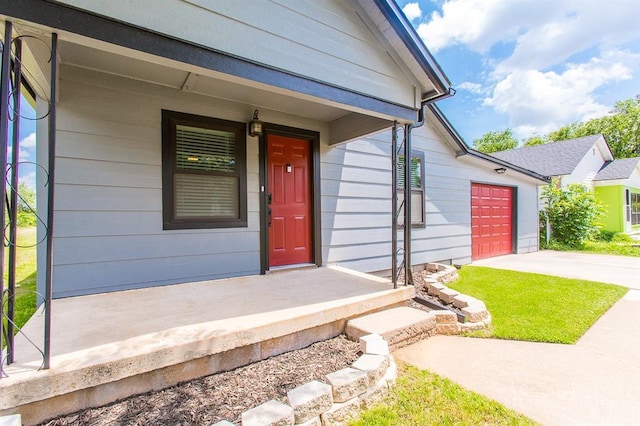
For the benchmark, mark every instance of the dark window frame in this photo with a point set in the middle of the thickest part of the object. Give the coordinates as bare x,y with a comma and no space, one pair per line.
420,155
171,119
634,208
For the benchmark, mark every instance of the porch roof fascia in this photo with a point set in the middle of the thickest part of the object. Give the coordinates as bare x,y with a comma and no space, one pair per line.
414,45
81,22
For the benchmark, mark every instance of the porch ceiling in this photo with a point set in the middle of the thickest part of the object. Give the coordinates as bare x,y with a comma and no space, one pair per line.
187,78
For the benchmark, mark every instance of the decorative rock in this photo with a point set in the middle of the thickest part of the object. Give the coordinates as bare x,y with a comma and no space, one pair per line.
374,344
447,294
434,288
348,383
462,301
310,400
421,285
398,326
434,267
448,329
472,326
313,422
271,413
475,313
374,395
392,372
445,317
11,420
341,413
374,365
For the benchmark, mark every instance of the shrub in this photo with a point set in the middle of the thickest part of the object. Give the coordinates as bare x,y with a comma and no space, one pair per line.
572,213
606,236
621,238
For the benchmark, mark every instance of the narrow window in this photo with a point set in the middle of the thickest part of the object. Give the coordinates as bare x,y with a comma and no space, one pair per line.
635,208
203,172
417,189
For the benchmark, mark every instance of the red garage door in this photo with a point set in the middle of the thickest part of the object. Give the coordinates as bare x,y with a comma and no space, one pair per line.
491,220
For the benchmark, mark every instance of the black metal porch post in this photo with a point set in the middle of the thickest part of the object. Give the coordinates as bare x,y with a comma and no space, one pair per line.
4,132
50,197
13,203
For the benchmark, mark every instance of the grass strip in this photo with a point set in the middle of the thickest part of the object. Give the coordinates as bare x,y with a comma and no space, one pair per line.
25,301
534,307
424,398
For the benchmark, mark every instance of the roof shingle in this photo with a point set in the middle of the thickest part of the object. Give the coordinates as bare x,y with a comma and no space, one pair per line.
617,169
551,159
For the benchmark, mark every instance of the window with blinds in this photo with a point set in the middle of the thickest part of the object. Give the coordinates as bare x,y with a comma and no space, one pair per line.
417,189
204,172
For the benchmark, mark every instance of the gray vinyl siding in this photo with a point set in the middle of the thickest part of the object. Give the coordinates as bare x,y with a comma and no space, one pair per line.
108,210
337,47
108,214
357,203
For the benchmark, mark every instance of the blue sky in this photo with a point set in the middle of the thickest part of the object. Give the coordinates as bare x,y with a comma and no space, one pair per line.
27,145
530,65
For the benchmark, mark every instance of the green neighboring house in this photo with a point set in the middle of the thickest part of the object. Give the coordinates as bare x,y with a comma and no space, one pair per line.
617,185
588,161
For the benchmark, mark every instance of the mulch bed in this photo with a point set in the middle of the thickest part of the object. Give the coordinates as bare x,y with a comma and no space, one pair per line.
223,396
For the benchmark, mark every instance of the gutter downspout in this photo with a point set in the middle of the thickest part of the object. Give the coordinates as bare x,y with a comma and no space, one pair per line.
408,276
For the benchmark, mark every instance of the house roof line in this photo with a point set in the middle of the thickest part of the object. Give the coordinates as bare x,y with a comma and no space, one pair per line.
58,16
466,150
617,169
557,158
415,45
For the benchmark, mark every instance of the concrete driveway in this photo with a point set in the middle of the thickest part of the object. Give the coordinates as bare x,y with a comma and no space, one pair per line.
621,270
594,382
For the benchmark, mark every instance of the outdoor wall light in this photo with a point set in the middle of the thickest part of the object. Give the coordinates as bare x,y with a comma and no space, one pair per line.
256,126
500,170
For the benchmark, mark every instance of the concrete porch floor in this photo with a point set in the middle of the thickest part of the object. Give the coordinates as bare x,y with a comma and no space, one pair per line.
141,340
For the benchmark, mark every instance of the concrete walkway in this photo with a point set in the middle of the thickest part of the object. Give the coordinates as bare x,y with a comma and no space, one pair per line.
594,382
623,270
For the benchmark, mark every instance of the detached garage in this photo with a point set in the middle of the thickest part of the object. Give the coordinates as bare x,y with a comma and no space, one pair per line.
492,220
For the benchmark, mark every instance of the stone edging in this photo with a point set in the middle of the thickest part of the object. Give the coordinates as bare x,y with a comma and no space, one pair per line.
478,317
339,400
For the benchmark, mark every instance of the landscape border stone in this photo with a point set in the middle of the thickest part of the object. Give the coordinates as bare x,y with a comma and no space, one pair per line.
340,412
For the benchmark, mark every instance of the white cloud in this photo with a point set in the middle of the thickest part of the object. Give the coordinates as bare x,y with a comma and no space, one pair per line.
547,28
412,11
540,102
479,24
27,144
543,61
581,26
29,179
475,88
29,141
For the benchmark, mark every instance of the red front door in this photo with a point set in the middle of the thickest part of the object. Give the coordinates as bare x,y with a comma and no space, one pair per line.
491,220
289,189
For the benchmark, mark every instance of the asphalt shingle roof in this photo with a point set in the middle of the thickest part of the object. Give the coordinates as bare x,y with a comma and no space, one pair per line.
551,159
617,169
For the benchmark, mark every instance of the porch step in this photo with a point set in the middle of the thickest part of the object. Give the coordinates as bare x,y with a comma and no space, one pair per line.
399,326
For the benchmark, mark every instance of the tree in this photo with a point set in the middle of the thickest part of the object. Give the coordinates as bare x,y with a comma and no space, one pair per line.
571,212
535,140
496,141
26,205
621,129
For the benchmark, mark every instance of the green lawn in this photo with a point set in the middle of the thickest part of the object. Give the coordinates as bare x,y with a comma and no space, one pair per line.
25,275
423,398
535,307
618,248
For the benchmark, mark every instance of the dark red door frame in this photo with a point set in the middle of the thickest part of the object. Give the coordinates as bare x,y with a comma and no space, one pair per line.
314,139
